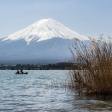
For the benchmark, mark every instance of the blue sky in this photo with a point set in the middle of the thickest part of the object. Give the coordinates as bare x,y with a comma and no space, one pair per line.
88,17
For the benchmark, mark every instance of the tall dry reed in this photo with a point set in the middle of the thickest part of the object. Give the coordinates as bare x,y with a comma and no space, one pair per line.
94,74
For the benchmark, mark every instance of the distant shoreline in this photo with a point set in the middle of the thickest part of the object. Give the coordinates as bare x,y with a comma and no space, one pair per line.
56,66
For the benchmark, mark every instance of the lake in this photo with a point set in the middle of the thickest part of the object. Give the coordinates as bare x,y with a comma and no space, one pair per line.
44,91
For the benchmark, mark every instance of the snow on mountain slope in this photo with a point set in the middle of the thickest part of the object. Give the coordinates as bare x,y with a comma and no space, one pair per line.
46,41
43,30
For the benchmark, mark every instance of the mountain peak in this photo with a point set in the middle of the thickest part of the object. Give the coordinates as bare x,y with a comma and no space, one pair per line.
45,29
46,20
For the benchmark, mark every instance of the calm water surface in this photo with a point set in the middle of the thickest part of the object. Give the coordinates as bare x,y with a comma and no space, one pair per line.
44,91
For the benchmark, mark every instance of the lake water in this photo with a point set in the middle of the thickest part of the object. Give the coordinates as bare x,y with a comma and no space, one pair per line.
44,91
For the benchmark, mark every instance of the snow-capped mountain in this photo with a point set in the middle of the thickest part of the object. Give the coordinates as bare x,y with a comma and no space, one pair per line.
45,41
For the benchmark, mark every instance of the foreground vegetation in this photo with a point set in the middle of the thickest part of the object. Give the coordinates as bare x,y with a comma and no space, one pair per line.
95,64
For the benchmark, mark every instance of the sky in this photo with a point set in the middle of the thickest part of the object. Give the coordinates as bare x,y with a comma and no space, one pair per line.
87,17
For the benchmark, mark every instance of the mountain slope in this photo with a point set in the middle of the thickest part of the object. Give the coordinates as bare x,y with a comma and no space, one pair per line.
43,30
46,41
47,51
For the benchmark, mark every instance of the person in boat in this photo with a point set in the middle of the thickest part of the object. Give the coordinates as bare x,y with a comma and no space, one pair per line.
21,71
17,72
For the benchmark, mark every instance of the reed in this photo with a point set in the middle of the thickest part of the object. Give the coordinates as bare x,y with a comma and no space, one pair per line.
94,74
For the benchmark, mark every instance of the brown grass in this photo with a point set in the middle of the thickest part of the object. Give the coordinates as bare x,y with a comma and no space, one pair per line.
95,68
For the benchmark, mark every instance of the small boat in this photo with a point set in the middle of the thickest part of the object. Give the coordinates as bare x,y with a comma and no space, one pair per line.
21,72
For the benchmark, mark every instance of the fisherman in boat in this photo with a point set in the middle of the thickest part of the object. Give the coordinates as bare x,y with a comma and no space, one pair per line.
17,72
21,71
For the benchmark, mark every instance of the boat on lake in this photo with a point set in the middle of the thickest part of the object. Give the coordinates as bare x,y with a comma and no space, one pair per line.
21,72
